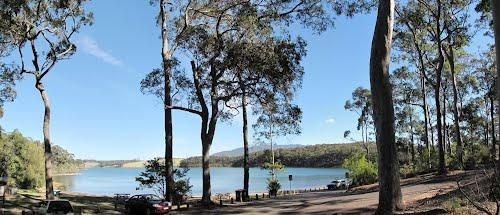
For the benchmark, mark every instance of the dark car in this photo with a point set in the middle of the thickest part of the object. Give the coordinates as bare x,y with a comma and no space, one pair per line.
147,204
54,207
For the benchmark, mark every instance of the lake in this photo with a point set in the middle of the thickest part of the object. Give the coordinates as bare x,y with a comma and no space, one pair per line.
107,181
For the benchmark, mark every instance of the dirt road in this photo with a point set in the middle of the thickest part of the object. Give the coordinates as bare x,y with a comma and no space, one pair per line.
334,202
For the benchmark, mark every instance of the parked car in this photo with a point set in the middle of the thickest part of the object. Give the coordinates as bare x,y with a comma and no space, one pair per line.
54,207
147,204
338,184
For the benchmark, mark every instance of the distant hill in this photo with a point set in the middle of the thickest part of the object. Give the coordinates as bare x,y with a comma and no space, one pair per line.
121,163
321,155
239,151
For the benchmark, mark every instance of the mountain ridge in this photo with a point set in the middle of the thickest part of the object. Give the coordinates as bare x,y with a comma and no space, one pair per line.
256,148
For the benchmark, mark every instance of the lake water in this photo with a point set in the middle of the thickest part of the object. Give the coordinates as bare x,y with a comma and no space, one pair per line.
107,181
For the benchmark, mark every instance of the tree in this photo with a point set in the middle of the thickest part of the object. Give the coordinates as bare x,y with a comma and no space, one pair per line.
496,20
276,119
45,29
411,48
485,75
361,104
257,65
172,27
215,28
406,95
390,196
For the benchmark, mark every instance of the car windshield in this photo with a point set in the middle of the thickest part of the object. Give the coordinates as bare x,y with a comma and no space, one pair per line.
152,197
59,206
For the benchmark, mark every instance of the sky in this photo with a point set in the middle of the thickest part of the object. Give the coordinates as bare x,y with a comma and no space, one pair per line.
98,111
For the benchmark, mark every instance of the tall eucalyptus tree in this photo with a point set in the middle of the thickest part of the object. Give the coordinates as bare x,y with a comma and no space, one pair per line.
45,29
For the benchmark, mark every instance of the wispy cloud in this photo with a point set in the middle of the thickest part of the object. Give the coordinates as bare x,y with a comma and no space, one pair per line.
90,46
330,120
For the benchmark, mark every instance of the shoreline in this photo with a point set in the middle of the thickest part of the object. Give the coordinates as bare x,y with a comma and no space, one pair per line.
68,174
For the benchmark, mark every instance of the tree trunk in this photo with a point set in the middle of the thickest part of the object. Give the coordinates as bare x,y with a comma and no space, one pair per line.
456,114
493,134
426,115
246,167
439,71
412,141
446,131
49,188
496,20
432,139
456,117
495,6
390,197
207,189
167,68
272,147
441,166
487,124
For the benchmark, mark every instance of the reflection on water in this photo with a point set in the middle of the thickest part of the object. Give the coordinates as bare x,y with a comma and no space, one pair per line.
65,181
107,181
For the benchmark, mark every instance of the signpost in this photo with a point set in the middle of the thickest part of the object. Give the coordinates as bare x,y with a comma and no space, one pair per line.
290,178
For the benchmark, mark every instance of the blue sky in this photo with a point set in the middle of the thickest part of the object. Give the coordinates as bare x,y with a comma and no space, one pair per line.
98,111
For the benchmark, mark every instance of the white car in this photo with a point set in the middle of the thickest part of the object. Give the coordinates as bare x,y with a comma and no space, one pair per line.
53,207
338,184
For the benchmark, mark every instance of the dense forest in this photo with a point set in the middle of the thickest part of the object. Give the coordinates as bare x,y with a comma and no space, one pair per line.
321,155
22,159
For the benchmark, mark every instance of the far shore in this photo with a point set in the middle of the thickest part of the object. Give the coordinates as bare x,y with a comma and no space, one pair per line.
67,174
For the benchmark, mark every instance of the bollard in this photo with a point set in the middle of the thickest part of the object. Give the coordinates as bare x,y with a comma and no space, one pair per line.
256,196
232,200
263,195
187,205
178,205
220,202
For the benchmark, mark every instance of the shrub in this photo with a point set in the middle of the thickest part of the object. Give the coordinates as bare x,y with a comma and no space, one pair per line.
361,170
154,177
182,186
476,154
273,185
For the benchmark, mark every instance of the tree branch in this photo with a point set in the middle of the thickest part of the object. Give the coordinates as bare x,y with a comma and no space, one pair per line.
184,109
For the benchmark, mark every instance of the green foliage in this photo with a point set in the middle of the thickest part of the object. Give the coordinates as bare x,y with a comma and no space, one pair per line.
407,170
452,204
154,177
320,155
476,154
361,170
273,185
22,160
275,168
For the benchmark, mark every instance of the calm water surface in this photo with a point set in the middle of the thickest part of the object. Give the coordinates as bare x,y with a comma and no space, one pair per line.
107,181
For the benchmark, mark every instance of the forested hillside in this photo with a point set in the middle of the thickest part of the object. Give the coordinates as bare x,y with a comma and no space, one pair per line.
22,160
239,151
321,155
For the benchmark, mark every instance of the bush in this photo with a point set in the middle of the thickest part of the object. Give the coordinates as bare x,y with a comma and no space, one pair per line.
273,186
476,154
361,170
154,177
182,186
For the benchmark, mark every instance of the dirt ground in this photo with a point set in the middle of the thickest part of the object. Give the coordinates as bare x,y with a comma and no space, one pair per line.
418,193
